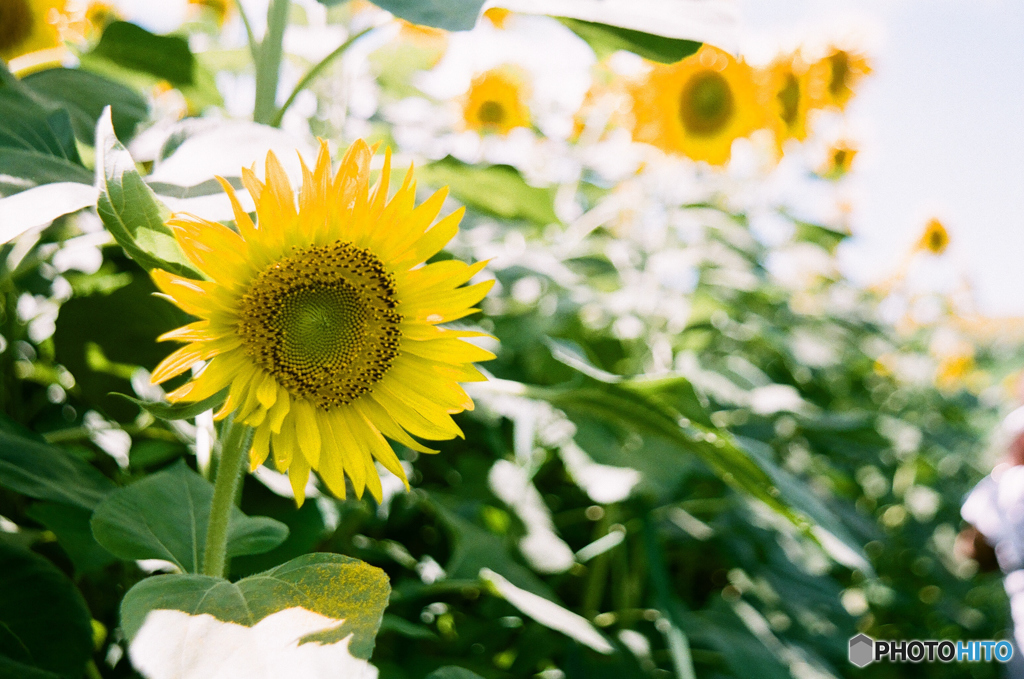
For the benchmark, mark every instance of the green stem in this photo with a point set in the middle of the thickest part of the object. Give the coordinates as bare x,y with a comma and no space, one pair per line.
236,443
254,47
313,73
668,603
268,63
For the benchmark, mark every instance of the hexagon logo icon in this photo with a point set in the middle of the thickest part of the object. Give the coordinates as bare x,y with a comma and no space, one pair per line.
862,650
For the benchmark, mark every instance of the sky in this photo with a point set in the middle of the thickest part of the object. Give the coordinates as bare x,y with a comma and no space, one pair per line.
941,127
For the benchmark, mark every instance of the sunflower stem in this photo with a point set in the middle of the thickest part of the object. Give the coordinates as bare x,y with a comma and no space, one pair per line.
236,441
268,62
313,73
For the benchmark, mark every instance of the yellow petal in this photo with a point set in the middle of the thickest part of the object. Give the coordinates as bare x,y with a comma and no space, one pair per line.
307,432
298,474
380,418
260,448
331,470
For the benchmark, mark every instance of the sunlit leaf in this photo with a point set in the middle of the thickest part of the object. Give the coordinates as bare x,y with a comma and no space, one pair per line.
129,209
349,594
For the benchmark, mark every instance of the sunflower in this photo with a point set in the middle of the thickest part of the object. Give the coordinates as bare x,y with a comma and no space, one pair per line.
322,324
496,101
697,106
786,96
834,77
935,238
498,16
28,26
839,160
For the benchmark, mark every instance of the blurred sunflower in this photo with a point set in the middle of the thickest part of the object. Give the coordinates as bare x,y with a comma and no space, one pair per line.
935,238
322,324
498,16
787,97
28,26
496,101
219,10
697,106
839,160
834,77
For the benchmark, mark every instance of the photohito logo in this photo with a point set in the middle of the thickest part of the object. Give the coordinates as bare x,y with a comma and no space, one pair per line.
864,650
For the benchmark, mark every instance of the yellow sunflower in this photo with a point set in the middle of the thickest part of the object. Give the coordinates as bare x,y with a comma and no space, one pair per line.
833,78
697,106
322,323
496,101
498,16
28,26
935,238
839,160
786,96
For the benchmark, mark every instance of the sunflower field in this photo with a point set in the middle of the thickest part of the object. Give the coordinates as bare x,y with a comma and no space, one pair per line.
460,340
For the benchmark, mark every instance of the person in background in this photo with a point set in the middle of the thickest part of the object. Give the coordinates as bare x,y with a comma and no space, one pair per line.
995,537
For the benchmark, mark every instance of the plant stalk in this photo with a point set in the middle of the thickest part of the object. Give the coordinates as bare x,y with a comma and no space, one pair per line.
236,443
268,63
313,73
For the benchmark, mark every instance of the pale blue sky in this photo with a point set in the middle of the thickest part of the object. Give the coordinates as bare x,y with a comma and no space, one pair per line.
942,121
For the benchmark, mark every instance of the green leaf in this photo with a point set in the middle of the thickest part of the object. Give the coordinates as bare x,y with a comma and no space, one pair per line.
101,337
606,39
497,189
130,210
453,672
45,625
85,95
36,168
164,516
166,57
44,472
451,15
335,586
177,411
71,526
635,406
827,239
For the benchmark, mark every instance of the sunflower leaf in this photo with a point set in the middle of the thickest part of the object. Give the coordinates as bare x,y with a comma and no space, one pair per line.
606,40
176,411
165,515
85,95
453,672
130,210
45,628
451,15
497,189
332,602
44,472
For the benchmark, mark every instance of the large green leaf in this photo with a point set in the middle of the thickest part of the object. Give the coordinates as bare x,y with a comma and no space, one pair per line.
45,625
45,472
130,210
497,189
165,516
335,586
635,406
71,526
451,15
606,39
167,57
85,95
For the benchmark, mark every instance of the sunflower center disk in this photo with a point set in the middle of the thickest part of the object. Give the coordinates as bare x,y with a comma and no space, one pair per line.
789,100
706,105
491,113
15,23
323,322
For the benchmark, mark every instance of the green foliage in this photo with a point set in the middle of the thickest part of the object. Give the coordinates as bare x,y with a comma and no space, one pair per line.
606,40
85,95
451,15
129,208
132,47
332,585
45,628
165,516
497,189
452,672
45,472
